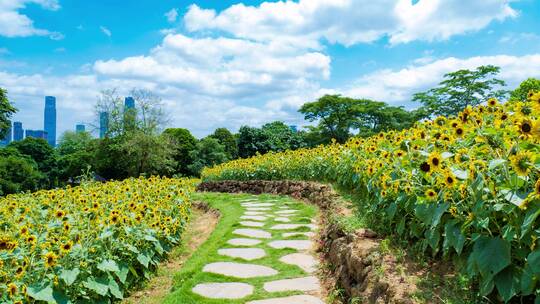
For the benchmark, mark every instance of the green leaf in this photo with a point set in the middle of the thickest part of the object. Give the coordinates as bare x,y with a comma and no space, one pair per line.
69,276
115,289
534,261
486,286
460,174
508,232
527,281
491,255
41,292
530,217
100,286
504,281
454,237
433,236
108,266
122,274
106,234
431,214
496,163
143,259
446,155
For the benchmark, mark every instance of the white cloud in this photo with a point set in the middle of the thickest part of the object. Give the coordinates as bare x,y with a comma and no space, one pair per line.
172,15
15,24
398,86
514,38
222,67
105,31
349,22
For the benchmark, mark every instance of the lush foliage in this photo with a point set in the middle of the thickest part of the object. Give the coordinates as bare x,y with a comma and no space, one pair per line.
88,244
274,136
466,187
525,87
337,116
461,89
208,152
6,111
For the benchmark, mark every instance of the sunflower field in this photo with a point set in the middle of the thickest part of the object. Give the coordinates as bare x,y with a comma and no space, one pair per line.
91,243
464,187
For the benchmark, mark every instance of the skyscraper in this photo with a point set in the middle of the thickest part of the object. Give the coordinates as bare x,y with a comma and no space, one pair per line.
50,119
103,124
130,114
7,139
80,128
18,132
37,134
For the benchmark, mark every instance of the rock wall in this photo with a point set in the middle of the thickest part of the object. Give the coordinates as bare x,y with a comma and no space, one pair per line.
353,258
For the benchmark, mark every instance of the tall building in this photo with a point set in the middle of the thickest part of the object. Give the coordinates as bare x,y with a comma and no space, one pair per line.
103,124
80,128
50,119
129,103
37,134
18,132
7,139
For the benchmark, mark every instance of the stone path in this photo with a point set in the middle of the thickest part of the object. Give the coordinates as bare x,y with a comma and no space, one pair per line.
266,231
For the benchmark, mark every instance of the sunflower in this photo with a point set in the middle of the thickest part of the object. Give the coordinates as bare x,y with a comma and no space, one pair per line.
459,131
521,162
525,127
449,179
431,194
536,191
19,271
31,239
535,132
66,247
50,259
535,100
12,290
60,214
435,160
492,102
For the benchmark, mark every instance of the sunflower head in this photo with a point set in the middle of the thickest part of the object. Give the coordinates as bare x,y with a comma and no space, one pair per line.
435,160
12,289
521,162
50,259
431,194
492,102
449,179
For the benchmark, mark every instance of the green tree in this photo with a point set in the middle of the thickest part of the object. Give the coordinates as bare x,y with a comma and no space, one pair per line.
44,155
529,85
228,140
18,172
148,154
461,89
183,143
375,116
336,116
76,153
274,136
250,141
6,111
208,152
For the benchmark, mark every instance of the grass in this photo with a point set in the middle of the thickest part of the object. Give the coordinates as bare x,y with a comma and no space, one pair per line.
200,226
231,211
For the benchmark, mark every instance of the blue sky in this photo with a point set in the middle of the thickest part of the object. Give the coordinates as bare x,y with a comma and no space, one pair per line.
225,63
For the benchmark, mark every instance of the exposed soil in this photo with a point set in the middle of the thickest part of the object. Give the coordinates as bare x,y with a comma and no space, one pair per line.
202,223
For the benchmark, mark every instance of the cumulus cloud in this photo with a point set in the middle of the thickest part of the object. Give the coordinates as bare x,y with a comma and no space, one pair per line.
398,86
222,67
15,24
350,22
172,15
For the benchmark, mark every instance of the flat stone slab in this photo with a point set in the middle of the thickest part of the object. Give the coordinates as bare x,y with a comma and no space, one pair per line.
254,233
223,290
303,299
243,242
257,204
305,261
286,211
238,270
291,234
254,213
310,283
292,244
248,254
254,217
251,224
293,226
258,209
282,219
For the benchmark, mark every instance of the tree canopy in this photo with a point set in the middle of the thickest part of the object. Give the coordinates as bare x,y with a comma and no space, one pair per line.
6,111
527,86
461,89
